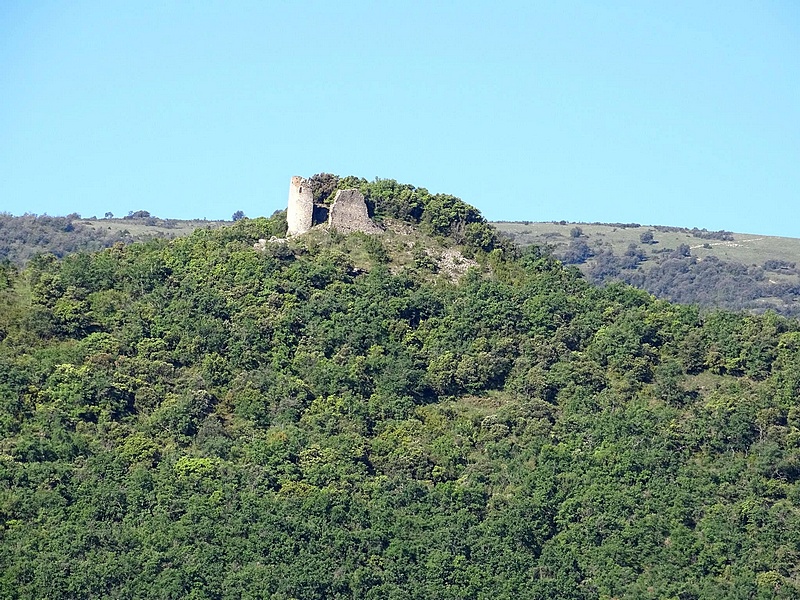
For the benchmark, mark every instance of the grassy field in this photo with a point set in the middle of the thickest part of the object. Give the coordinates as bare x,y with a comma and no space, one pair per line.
139,228
744,248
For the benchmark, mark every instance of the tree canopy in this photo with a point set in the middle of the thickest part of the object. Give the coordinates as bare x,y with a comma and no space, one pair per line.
343,416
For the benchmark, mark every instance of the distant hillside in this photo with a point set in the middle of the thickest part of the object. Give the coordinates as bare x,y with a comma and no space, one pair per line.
714,269
23,237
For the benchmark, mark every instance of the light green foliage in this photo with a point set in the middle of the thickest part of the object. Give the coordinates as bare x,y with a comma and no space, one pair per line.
323,420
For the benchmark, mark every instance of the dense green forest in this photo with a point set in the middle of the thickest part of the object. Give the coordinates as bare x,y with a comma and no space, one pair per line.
347,417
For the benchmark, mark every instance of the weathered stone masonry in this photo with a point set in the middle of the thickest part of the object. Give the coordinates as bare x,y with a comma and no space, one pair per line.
348,212
300,210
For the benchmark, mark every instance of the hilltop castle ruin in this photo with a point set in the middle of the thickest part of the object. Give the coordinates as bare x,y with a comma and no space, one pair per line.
348,212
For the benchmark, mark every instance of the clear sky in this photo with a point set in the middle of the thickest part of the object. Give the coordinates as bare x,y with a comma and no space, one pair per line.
665,112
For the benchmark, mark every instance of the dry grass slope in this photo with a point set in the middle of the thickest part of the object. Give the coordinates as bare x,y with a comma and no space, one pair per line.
745,248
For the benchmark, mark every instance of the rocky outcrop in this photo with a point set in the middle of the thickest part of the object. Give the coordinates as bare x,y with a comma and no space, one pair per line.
261,244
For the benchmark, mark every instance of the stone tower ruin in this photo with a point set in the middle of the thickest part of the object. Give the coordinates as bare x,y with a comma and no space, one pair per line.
348,212
300,210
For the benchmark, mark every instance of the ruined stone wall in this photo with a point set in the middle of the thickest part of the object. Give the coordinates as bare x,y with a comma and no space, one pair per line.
349,213
300,210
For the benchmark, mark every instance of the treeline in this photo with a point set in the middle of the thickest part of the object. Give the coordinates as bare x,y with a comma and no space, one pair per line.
703,234
149,220
718,283
677,275
711,283
694,231
199,419
24,237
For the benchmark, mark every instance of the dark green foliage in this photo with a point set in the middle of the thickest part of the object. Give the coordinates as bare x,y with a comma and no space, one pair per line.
200,419
578,252
323,187
646,237
438,214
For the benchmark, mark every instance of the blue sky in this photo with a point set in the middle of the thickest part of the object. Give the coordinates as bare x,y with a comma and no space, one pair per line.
670,113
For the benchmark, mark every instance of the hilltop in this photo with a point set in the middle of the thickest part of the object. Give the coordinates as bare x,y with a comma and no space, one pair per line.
338,416
712,269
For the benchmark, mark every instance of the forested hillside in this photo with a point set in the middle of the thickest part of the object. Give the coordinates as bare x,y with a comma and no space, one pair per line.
713,269
429,413
24,237
27,236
